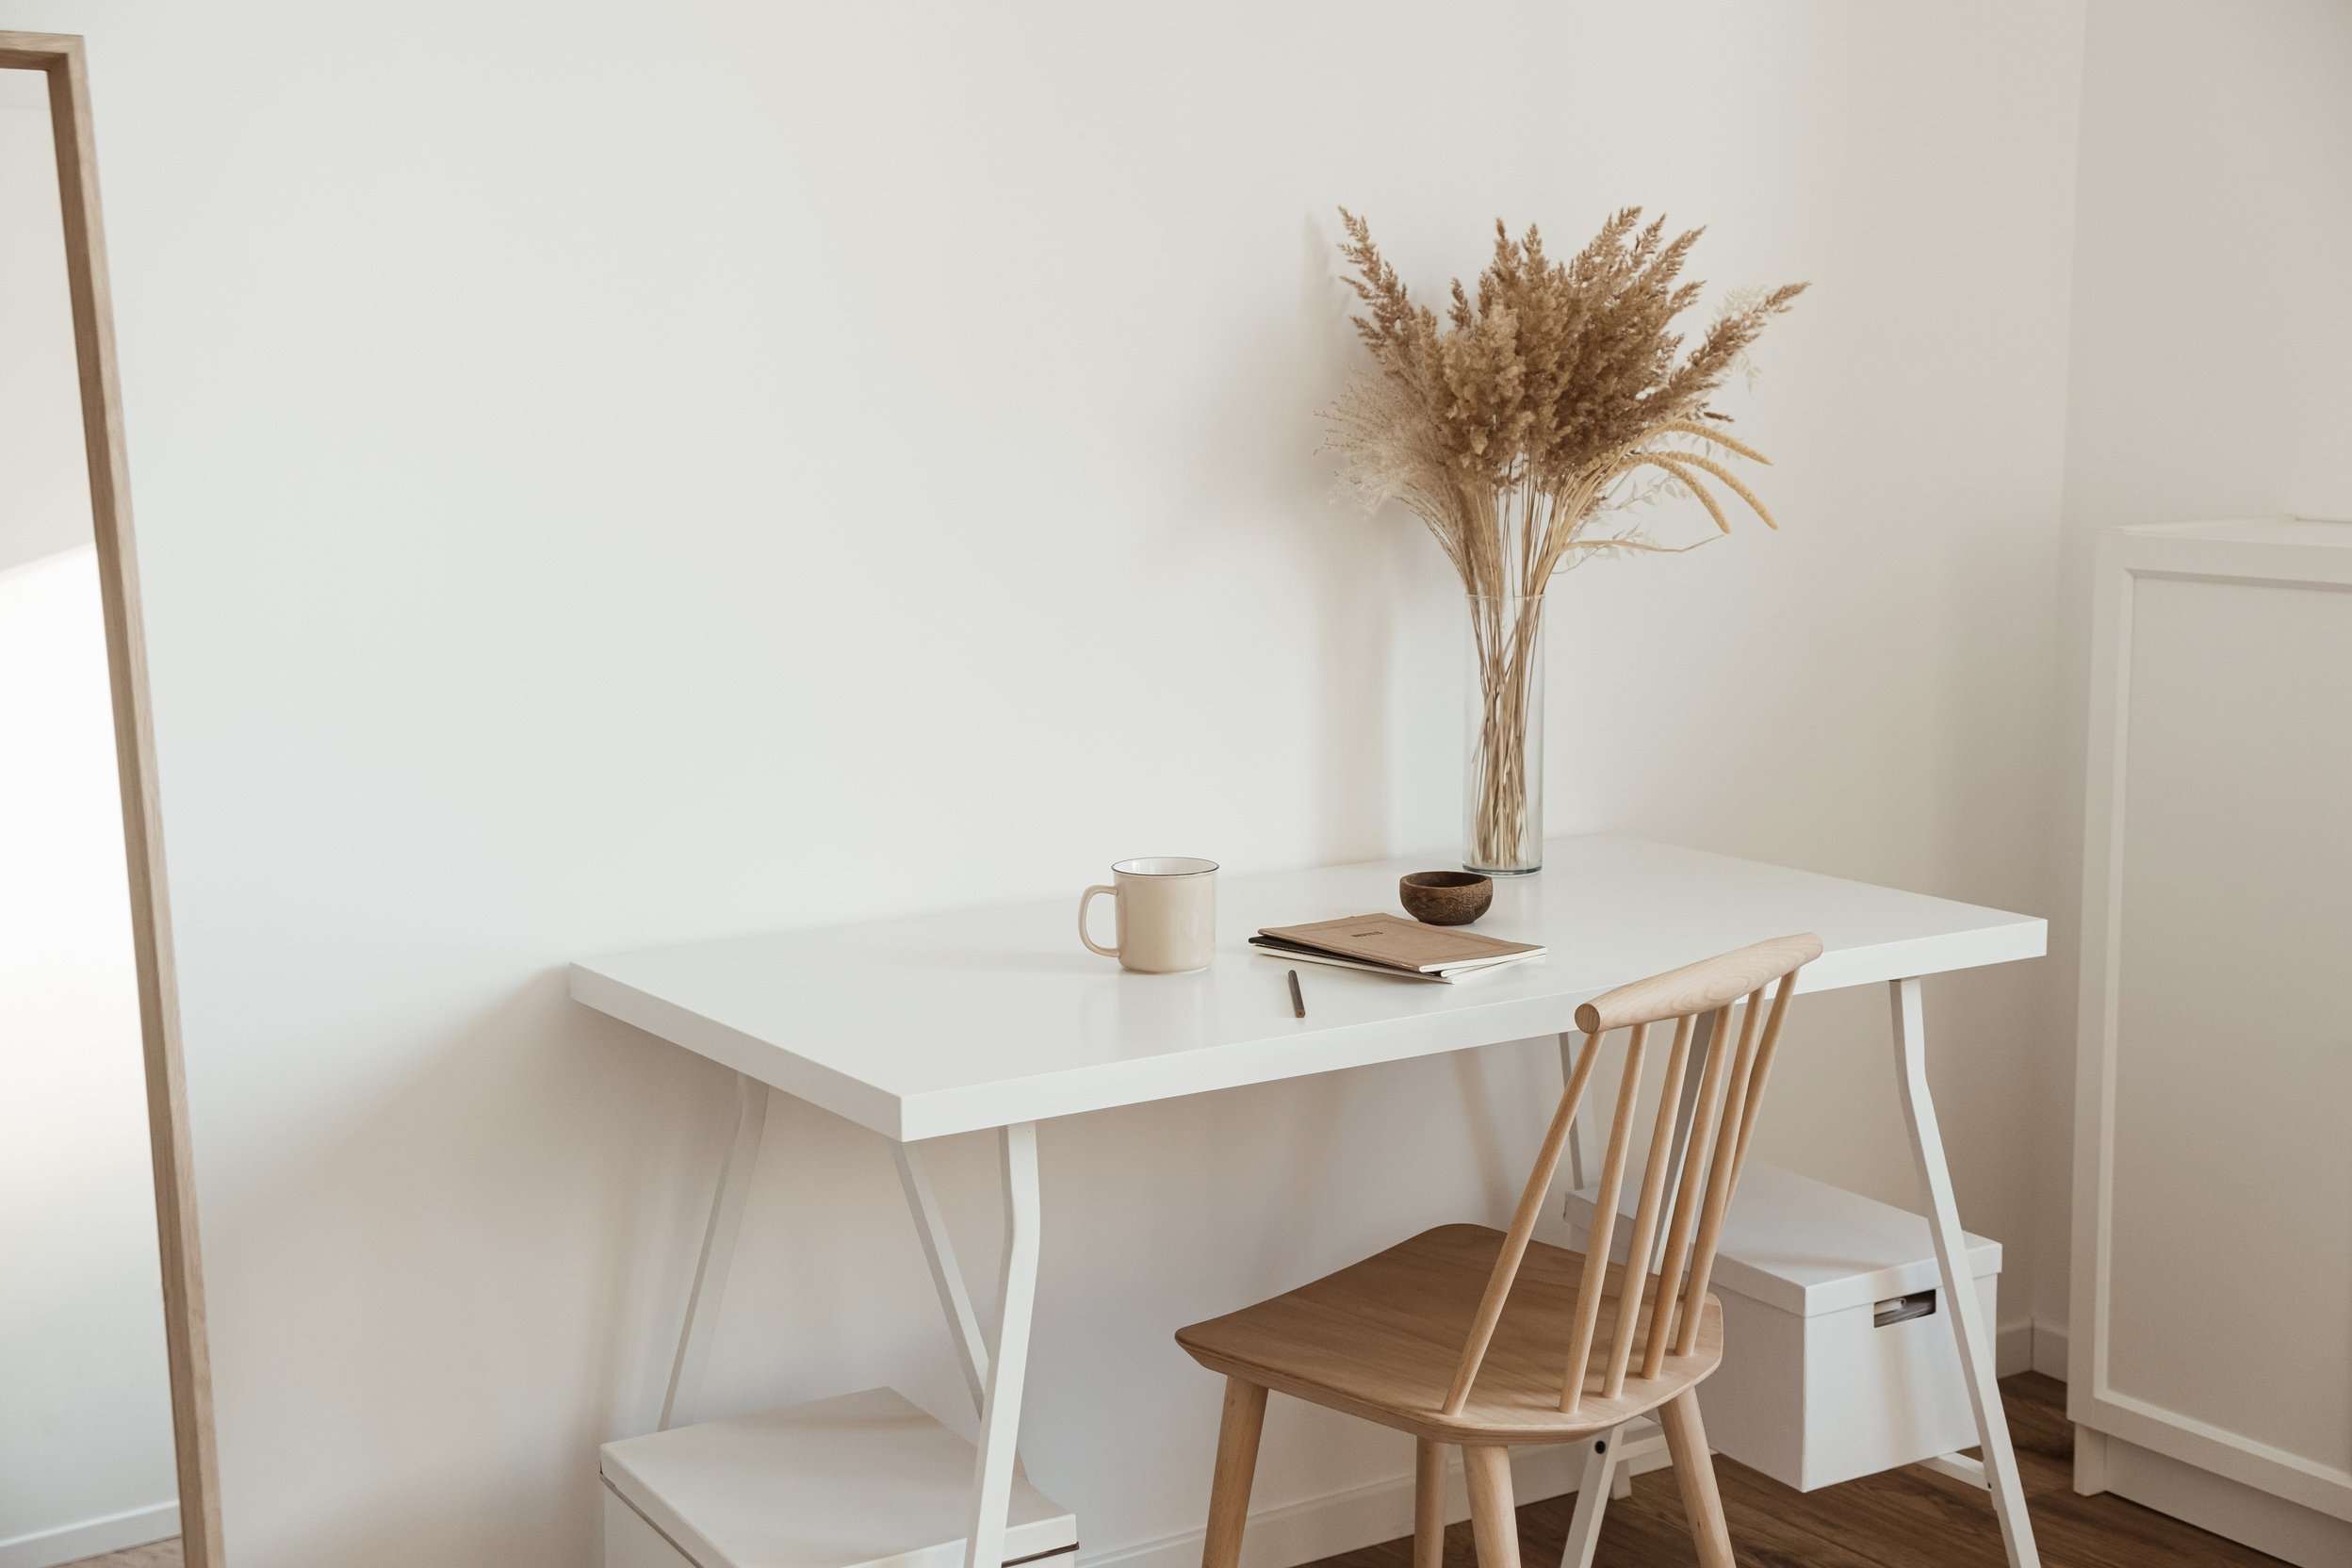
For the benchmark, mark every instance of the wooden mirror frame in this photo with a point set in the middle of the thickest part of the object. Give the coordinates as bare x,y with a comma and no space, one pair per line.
59,57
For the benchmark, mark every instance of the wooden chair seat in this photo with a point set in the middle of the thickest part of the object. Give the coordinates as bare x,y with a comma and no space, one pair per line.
1382,1339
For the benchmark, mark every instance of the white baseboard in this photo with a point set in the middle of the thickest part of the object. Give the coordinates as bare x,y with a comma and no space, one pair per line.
2050,1350
91,1538
1360,1516
2232,1510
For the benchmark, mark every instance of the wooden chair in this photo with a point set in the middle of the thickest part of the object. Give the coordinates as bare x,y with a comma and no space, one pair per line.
1471,1336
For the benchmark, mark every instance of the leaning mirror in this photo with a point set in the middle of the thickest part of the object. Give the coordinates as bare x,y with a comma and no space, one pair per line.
105,1436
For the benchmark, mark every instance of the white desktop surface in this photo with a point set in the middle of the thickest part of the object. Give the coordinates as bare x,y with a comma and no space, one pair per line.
943,1024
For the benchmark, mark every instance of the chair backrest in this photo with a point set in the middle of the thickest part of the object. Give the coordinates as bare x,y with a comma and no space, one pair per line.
1722,1121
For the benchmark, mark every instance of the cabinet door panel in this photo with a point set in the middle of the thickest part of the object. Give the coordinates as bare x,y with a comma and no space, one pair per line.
2231,1261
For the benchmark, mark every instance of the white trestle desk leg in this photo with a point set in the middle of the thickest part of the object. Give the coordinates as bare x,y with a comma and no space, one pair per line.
963,1324
1960,1299
1960,1467
1569,1045
999,1410
1593,1495
718,1250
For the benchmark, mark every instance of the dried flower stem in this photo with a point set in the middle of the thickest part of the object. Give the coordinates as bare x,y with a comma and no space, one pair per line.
1507,640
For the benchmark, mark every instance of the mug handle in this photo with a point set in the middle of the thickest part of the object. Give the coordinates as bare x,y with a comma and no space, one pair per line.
1093,946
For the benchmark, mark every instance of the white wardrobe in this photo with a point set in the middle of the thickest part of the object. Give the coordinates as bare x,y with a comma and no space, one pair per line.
2211,1341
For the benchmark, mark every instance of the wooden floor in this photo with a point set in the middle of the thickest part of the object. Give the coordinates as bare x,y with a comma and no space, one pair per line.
1903,1519
161,1554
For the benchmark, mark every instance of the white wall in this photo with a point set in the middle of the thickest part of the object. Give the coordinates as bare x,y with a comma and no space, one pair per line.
85,1410
610,475
2212,360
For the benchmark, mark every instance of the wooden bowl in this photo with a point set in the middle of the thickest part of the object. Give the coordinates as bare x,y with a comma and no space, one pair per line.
1445,897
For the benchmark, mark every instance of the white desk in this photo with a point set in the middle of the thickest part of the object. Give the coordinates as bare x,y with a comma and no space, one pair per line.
997,1019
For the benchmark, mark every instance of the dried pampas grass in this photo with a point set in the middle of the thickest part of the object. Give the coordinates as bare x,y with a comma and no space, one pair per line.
1527,412
1559,395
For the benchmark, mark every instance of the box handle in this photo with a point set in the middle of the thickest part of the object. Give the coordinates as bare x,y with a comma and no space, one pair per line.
1903,1309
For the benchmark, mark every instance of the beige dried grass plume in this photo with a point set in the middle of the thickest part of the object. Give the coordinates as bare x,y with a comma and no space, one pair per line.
1515,422
1528,412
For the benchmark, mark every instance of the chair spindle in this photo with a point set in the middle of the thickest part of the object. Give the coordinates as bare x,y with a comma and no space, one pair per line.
1594,1283
1781,993
1719,1173
1522,1228
1687,1192
1646,1216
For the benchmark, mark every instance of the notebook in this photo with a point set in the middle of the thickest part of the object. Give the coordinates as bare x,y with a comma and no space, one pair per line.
1389,944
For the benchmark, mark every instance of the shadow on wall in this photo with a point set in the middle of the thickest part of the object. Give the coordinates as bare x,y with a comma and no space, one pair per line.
533,1124
1261,470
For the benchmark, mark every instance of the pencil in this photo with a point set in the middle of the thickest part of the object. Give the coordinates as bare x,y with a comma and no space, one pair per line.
1298,1002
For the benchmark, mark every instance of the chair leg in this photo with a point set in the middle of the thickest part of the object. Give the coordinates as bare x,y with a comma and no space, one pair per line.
1236,1464
1429,1504
1493,1522
1694,1471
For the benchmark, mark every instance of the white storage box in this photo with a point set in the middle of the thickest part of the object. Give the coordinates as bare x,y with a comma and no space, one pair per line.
1839,1357
865,1480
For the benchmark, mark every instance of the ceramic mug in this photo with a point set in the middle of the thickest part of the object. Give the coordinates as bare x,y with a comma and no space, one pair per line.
1167,914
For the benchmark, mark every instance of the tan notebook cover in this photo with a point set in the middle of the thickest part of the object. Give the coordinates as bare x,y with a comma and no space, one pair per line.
1395,942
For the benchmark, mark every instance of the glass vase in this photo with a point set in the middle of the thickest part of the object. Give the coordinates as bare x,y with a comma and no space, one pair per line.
1502,785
